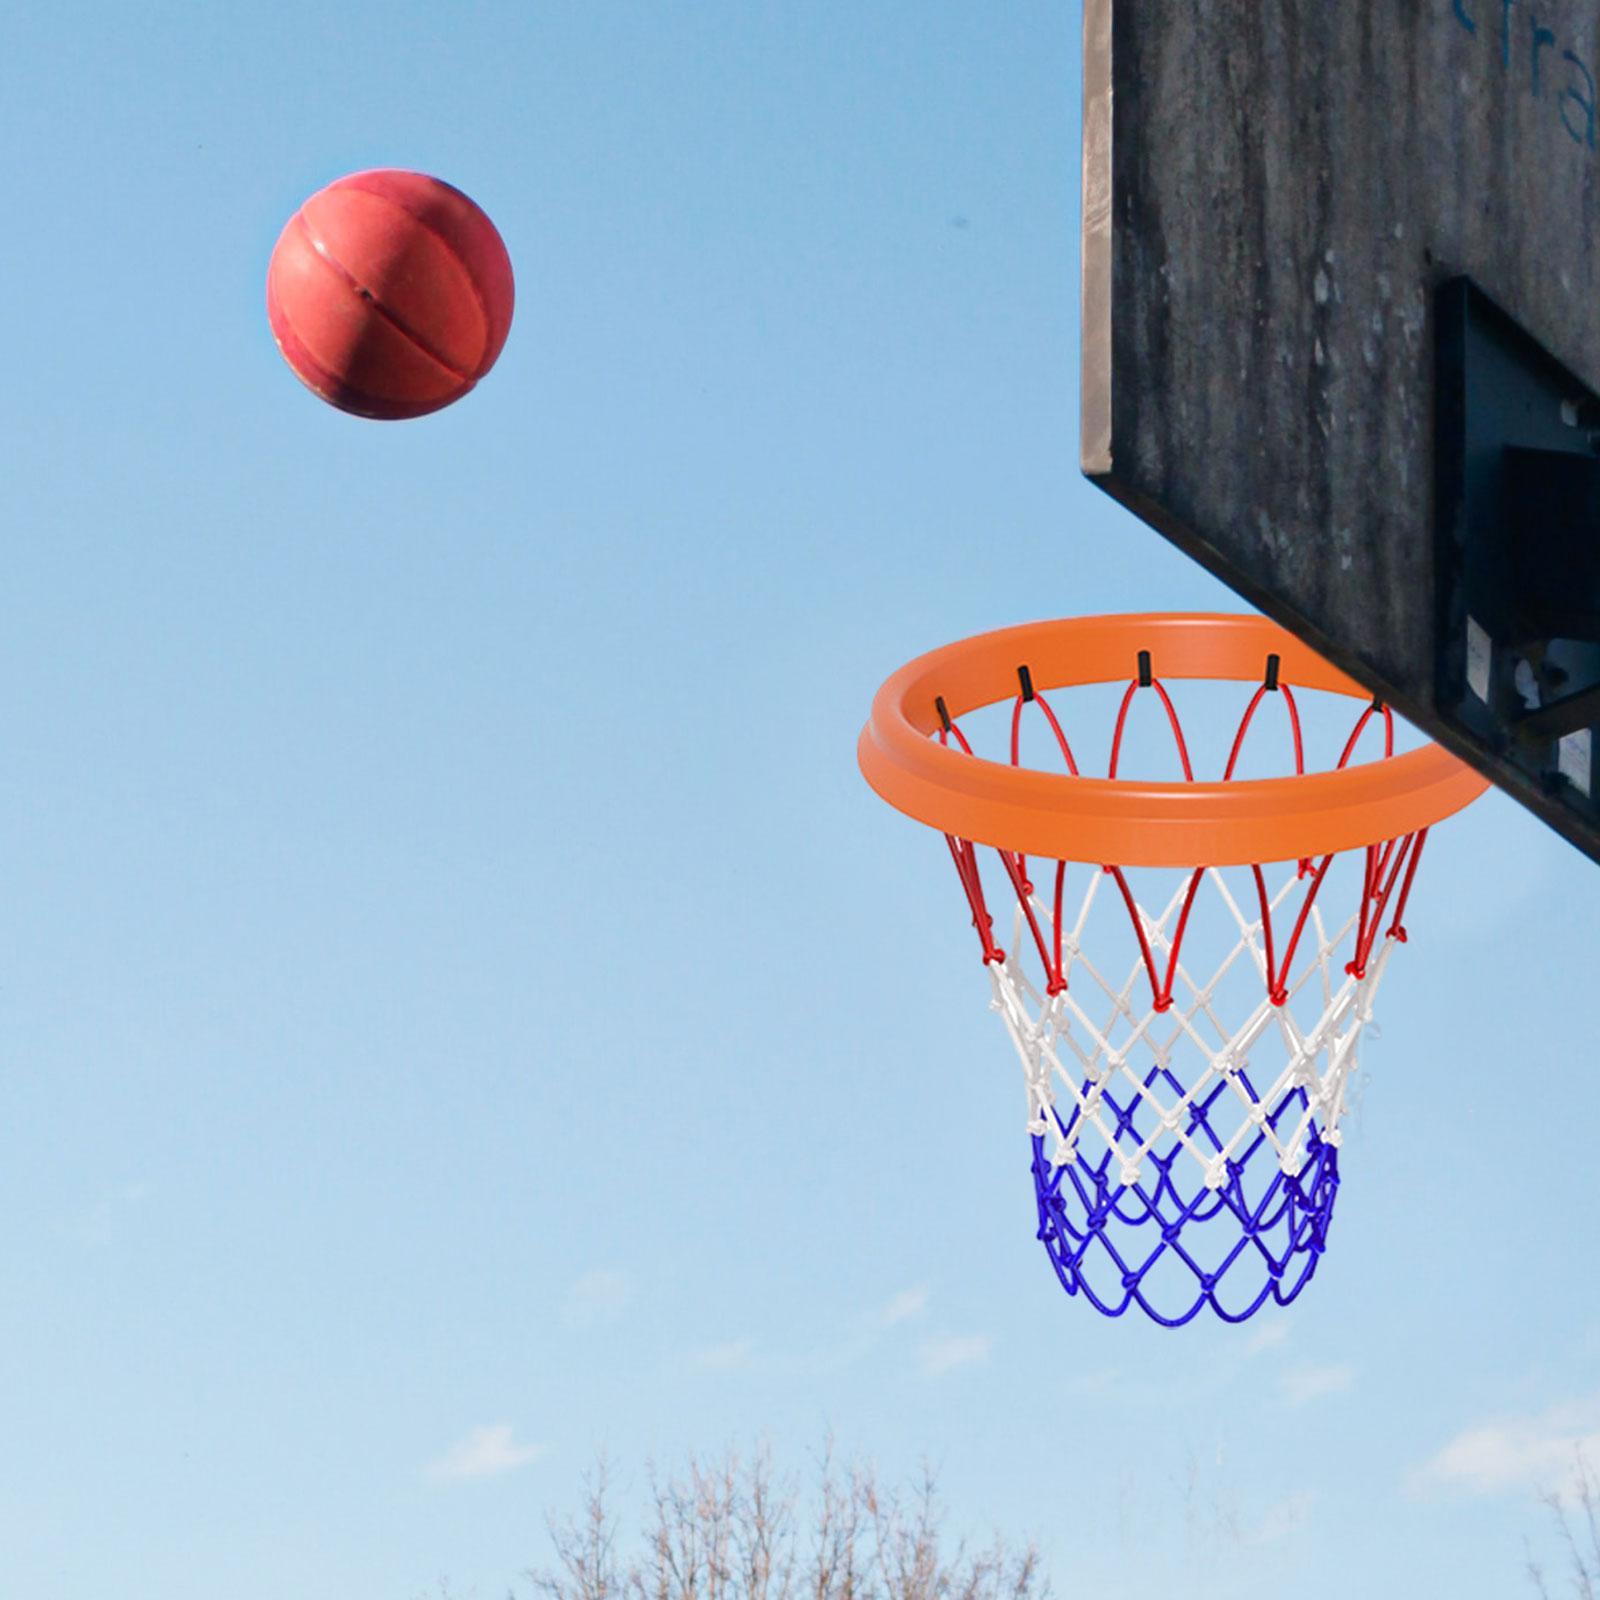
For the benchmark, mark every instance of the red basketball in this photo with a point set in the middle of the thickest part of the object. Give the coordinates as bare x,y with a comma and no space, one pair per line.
389,294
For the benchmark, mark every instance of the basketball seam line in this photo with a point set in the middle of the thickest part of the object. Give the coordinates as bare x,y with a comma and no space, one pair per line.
398,324
428,227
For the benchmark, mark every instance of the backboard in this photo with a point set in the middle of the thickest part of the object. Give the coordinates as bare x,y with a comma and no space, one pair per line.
1341,329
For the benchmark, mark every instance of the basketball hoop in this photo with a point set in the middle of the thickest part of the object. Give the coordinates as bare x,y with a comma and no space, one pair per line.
1185,1083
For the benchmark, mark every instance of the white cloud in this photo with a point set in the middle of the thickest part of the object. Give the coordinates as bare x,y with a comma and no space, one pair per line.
905,1305
1267,1337
1095,1383
939,1356
1281,1520
1539,1451
598,1296
100,1223
728,1356
1305,1384
486,1452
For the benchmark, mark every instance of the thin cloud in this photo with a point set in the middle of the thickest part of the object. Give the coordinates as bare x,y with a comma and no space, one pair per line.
486,1452
1279,1521
1267,1337
1538,1451
1305,1384
1095,1383
729,1356
597,1297
905,1305
100,1223
936,1357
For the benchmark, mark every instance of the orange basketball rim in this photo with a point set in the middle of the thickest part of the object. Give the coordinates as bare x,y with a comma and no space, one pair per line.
1132,822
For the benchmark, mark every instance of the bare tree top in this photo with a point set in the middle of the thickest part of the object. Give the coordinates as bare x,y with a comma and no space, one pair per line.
734,1529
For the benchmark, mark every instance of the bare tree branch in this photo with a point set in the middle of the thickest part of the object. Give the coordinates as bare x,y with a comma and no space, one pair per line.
585,1547
1577,1523
734,1530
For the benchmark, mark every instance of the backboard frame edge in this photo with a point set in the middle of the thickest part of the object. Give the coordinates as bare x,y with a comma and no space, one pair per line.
1095,338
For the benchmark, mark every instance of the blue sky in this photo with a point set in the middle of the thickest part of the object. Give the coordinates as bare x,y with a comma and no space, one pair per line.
460,1007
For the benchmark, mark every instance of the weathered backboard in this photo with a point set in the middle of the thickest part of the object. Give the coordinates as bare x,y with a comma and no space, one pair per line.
1341,325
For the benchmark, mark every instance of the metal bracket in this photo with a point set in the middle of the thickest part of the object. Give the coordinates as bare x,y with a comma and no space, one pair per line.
1518,548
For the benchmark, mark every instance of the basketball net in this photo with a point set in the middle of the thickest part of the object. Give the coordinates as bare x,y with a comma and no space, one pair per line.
1183,1156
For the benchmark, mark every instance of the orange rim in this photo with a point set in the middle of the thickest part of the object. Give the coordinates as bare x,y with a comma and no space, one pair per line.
1130,822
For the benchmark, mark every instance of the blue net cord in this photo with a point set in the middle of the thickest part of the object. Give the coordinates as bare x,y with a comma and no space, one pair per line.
1264,1229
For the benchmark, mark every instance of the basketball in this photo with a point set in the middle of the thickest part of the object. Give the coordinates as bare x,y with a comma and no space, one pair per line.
389,294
